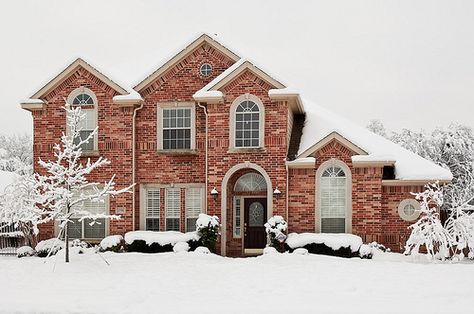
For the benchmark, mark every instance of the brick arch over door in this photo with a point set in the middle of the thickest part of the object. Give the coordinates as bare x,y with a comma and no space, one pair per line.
228,175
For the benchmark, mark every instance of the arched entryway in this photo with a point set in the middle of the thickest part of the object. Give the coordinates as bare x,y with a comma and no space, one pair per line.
245,207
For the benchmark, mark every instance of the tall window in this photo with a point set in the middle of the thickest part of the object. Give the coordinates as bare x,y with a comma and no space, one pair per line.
83,229
176,126
247,124
194,204
85,98
172,208
333,200
152,213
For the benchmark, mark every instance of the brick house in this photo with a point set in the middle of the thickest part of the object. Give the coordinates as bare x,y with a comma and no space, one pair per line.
211,132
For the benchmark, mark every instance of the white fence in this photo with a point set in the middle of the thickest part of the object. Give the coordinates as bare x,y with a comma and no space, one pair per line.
10,239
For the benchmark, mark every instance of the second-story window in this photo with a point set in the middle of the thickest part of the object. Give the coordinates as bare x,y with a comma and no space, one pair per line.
87,100
247,122
176,127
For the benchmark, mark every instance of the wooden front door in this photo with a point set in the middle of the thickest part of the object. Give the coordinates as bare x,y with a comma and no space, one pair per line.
255,217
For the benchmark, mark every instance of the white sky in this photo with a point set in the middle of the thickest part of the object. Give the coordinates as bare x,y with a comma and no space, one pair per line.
408,63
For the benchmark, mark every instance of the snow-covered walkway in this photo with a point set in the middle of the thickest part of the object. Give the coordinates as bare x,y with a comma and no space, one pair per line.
197,283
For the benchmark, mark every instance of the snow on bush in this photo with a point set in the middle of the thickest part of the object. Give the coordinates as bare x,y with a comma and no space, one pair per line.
202,250
25,251
269,250
79,243
43,248
181,247
365,251
207,227
111,243
334,241
301,251
276,227
161,237
428,232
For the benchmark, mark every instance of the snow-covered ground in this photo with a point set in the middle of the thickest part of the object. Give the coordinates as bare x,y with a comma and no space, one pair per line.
200,283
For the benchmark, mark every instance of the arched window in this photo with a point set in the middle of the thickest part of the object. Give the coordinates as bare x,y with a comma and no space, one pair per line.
247,122
251,182
85,98
334,206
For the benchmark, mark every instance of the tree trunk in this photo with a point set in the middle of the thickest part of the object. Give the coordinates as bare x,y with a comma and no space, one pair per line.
66,240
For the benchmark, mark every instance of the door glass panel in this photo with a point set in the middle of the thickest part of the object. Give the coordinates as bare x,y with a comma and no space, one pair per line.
256,214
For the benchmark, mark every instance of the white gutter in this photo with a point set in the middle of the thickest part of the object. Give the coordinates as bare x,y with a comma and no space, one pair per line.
206,158
133,164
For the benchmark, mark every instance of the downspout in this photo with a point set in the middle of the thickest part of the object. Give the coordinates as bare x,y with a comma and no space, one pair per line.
204,108
287,196
133,164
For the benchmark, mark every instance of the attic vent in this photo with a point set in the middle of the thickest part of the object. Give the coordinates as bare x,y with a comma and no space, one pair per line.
205,69
388,173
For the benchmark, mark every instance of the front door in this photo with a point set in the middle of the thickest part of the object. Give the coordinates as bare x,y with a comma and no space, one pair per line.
255,217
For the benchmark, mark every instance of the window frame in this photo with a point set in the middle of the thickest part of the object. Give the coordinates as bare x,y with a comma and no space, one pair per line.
348,193
403,204
167,200
233,120
211,69
145,210
236,217
106,223
70,99
186,217
159,129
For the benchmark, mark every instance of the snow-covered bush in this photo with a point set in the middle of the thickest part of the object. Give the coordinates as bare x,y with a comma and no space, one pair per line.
202,250
207,228
365,251
48,247
79,243
428,233
181,247
111,243
269,250
25,251
276,227
158,241
335,244
301,251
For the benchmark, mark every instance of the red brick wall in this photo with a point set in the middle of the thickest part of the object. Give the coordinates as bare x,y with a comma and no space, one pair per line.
374,214
374,207
114,139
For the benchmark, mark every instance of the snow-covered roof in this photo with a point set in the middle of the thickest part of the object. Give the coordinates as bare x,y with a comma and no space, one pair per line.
320,123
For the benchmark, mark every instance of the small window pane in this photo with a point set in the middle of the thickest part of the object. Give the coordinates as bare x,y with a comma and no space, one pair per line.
153,224
74,229
96,231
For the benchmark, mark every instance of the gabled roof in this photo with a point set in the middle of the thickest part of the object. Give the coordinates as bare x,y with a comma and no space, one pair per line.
58,79
322,124
210,91
182,54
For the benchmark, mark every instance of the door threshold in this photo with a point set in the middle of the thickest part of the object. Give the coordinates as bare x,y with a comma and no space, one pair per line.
253,252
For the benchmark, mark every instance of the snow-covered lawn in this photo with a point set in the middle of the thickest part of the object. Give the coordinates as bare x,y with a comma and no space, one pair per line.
200,283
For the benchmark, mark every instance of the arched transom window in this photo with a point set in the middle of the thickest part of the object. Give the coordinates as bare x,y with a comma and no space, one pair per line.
251,182
248,122
333,200
85,98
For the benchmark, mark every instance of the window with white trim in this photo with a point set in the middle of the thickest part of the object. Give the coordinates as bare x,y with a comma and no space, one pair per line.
88,228
205,69
87,100
152,211
409,209
176,126
333,200
194,206
247,124
172,208
237,217
251,182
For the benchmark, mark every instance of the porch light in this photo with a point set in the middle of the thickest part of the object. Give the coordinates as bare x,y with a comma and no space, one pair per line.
214,193
276,192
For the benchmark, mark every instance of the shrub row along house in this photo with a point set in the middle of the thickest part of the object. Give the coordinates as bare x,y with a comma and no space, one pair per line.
209,131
